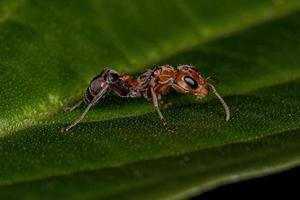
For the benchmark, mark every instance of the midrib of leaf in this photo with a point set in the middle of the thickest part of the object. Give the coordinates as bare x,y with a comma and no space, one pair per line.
52,117
182,46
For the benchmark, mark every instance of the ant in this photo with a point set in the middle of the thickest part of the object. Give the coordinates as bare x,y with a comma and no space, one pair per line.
151,84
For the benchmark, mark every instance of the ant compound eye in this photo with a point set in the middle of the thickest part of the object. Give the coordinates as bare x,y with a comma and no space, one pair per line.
191,82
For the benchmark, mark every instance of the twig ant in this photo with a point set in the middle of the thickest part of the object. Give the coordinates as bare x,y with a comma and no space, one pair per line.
151,84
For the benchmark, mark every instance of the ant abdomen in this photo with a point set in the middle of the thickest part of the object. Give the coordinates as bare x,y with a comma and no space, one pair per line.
93,89
106,77
97,83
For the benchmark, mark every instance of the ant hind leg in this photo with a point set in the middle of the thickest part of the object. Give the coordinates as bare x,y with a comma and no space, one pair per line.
65,129
70,109
92,103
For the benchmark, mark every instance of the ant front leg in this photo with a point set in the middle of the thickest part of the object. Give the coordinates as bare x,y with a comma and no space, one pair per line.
92,103
155,102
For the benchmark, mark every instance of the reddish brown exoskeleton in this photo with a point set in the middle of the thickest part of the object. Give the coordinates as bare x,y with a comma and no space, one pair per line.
151,84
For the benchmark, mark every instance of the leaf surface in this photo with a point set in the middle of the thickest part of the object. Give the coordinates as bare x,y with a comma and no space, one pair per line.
48,56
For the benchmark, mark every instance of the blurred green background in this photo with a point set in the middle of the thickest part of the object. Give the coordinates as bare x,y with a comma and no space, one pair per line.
50,50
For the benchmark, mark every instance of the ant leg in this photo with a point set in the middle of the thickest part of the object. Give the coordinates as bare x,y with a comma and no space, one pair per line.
217,81
163,120
70,109
65,129
92,103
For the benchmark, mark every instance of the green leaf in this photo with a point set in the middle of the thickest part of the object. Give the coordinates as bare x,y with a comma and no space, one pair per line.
49,51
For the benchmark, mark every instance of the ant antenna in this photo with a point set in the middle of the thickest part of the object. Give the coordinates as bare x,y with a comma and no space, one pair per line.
225,106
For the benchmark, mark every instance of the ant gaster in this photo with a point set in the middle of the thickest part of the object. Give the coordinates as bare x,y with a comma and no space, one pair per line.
151,84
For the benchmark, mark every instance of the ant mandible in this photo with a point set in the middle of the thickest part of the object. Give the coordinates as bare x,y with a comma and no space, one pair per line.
151,84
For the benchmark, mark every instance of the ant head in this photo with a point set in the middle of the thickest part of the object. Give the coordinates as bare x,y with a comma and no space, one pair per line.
190,80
